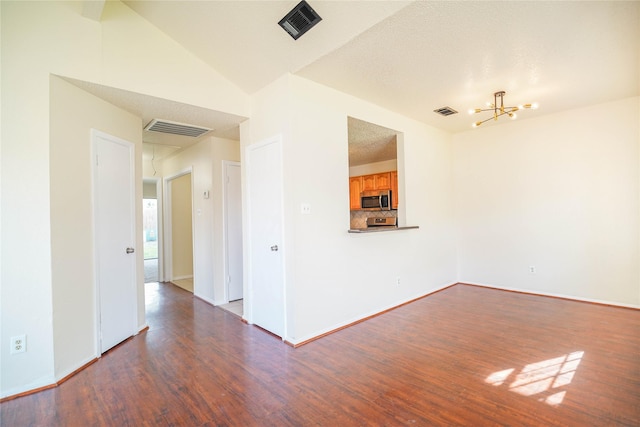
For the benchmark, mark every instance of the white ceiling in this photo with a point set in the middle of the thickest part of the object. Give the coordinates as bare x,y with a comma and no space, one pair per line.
160,145
416,56
370,143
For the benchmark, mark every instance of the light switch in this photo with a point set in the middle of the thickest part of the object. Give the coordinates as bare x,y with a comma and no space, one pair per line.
206,194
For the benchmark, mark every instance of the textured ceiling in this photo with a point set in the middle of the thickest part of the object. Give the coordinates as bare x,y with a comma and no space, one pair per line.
370,143
148,107
242,39
562,55
412,57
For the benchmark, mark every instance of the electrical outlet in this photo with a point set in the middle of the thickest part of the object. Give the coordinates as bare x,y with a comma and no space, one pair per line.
305,208
397,281
532,269
18,344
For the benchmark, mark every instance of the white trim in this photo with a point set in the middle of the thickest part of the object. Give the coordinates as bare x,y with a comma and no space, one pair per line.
188,276
94,136
364,316
159,223
248,297
225,230
167,264
209,300
553,295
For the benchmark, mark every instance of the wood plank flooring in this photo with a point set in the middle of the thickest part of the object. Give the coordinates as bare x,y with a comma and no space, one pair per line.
465,356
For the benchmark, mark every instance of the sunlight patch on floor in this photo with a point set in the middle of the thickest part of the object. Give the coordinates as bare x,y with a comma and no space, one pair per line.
541,379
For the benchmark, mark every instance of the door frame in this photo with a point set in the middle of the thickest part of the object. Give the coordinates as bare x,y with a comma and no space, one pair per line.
168,241
248,238
225,230
94,135
159,219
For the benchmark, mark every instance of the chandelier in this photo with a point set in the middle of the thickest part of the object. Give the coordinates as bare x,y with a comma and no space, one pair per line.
499,109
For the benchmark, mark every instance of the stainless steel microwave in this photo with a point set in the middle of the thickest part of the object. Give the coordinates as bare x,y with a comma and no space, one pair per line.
379,200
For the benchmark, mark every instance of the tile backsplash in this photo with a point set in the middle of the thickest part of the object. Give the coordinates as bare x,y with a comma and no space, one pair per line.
359,218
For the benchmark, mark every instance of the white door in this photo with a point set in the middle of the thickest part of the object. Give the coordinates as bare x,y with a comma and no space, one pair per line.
233,228
114,239
264,168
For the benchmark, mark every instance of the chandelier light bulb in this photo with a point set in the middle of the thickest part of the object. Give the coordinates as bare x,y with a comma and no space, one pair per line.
499,109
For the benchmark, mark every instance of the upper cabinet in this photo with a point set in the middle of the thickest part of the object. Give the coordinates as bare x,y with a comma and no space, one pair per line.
355,188
383,181
376,181
394,189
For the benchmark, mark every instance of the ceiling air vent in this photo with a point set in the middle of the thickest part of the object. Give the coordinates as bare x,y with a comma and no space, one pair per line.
165,126
445,111
299,20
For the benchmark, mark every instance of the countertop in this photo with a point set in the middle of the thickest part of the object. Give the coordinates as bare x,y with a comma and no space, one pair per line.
380,229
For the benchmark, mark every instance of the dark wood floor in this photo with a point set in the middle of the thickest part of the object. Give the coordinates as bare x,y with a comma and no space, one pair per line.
464,356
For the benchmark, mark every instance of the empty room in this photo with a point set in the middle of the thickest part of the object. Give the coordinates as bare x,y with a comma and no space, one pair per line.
423,212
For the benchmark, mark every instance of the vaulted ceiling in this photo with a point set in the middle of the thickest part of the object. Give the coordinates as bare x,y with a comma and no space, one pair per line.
413,57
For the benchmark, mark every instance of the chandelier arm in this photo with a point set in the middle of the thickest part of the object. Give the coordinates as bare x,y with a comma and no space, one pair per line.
485,120
498,109
503,113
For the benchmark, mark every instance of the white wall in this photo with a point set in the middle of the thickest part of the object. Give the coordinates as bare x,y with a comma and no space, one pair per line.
329,276
205,160
371,168
43,38
73,114
181,228
560,193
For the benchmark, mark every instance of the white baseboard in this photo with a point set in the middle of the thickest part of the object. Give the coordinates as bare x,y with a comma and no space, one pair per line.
182,277
554,295
207,300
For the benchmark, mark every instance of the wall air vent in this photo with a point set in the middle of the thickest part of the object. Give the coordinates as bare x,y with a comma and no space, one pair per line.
445,111
299,20
165,126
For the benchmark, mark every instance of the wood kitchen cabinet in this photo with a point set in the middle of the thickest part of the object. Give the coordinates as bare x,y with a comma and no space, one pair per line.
368,182
383,181
373,182
376,181
394,189
355,187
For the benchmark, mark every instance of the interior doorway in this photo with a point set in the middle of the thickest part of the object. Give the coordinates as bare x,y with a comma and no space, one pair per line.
114,230
266,307
233,230
150,234
179,231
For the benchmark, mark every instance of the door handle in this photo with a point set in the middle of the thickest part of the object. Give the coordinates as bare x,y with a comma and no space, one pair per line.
274,248
130,250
